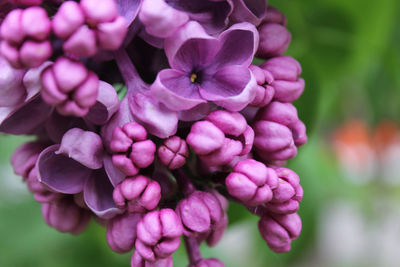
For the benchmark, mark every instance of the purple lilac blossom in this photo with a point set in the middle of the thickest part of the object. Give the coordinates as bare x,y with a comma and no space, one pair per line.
205,68
148,116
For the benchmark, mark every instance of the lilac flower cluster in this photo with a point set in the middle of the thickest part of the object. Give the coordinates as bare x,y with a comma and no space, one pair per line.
194,124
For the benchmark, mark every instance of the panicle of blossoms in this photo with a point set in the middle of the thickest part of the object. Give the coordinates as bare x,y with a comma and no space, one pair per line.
149,117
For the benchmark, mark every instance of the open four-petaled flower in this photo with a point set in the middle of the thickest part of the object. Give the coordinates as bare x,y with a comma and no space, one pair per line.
204,68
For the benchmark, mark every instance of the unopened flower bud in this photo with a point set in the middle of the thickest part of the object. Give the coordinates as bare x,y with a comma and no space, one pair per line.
221,137
275,16
158,235
25,35
274,40
89,25
280,230
252,182
173,153
69,86
285,71
65,216
121,232
131,148
198,212
68,19
278,132
288,194
137,194
264,91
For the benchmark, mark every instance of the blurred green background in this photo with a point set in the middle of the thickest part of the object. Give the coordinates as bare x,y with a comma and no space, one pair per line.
350,54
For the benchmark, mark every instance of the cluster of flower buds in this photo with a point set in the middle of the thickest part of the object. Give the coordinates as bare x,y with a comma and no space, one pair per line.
191,105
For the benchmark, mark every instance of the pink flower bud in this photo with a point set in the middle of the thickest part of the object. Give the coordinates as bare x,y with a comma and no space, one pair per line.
280,230
137,194
121,232
288,194
196,212
278,132
274,40
264,91
285,71
90,25
223,136
158,235
252,182
275,16
68,19
65,216
98,12
218,226
131,148
25,35
173,153
69,86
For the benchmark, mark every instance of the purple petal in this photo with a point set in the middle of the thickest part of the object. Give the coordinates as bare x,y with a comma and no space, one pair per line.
190,47
160,19
60,173
115,175
33,113
249,10
57,125
98,195
211,14
196,113
106,105
238,44
155,117
11,90
128,9
83,146
175,90
231,87
32,80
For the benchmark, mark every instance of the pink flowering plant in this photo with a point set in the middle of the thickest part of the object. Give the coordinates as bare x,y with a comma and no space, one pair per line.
149,116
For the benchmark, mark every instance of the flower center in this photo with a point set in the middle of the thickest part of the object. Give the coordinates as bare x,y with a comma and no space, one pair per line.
193,77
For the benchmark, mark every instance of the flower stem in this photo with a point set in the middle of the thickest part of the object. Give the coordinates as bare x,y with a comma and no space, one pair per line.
192,249
184,183
133,81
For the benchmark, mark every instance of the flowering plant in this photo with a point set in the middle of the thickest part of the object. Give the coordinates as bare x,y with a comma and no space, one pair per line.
149,116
